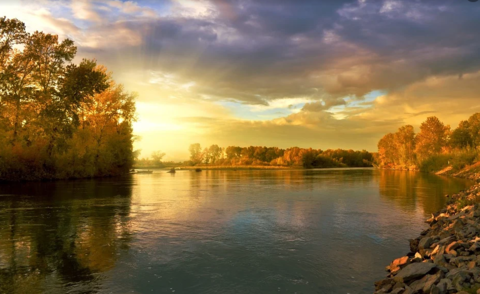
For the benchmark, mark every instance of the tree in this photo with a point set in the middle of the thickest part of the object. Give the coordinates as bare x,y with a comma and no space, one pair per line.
461,137
157,158
405,145
474,128
59,119
196,155
214,153
387,151
432,138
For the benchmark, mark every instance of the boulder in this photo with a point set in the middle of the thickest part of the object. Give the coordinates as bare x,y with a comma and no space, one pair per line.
414,270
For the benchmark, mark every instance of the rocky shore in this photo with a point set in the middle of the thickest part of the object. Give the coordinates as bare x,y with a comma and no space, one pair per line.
445,258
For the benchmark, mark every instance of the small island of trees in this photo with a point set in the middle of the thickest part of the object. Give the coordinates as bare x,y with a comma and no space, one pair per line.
58,119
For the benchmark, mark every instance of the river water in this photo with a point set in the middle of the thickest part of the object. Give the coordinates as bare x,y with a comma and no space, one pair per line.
258,231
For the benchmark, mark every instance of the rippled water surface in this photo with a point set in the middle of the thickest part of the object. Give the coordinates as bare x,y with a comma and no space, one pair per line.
281,231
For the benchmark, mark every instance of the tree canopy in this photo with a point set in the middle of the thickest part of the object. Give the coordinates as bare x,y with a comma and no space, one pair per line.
58,119
274,156
405,148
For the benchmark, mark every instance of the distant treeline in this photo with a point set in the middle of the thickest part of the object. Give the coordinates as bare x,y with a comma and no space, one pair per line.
58,119
274,156
433,147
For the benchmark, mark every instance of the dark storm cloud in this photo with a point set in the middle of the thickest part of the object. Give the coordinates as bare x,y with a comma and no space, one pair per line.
256,51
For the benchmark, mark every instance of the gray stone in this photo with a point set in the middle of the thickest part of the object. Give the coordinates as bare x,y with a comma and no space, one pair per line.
445,285
430,281
425,243
414,270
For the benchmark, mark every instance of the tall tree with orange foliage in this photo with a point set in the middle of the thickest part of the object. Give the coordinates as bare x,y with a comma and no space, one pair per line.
432,138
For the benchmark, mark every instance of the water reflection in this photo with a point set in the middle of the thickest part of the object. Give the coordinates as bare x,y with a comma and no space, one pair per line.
409,190
58,236
305,231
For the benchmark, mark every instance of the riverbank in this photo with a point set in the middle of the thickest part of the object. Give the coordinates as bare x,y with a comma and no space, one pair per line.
445,258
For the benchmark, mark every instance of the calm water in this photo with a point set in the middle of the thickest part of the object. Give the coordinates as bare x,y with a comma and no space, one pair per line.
287,231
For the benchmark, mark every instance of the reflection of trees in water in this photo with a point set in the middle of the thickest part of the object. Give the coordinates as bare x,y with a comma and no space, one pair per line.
415,189
58,236
300,179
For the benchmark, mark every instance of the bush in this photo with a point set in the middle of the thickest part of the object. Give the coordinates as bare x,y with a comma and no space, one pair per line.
435,163
464,158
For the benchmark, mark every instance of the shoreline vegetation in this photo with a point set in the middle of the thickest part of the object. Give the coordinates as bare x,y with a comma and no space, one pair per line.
58,119
261,157
434,148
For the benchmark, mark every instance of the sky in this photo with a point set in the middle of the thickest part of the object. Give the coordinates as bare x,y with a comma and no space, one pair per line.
307,73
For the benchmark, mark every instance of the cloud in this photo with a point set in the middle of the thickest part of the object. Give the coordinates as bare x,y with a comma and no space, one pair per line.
307,66
84,10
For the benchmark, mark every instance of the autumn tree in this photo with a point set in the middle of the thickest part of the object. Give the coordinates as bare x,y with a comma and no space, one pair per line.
474,129
432,138
196,154
59,119
214,153
461,137
404,140
387,151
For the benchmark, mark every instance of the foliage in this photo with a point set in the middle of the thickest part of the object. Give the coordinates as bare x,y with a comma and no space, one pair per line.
58,119
196,155
432,138
274,156
435,146
435,162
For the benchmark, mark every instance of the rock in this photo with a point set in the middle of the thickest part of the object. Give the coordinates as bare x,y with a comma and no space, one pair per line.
440,260
446,240
408,290
425,243
452,246
445,285
399,285
398,263
418,284
382,283
436,290
430,281
475,246
414,270
459,278
398,291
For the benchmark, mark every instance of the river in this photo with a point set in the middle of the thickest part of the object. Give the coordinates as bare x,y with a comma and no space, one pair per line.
245,231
